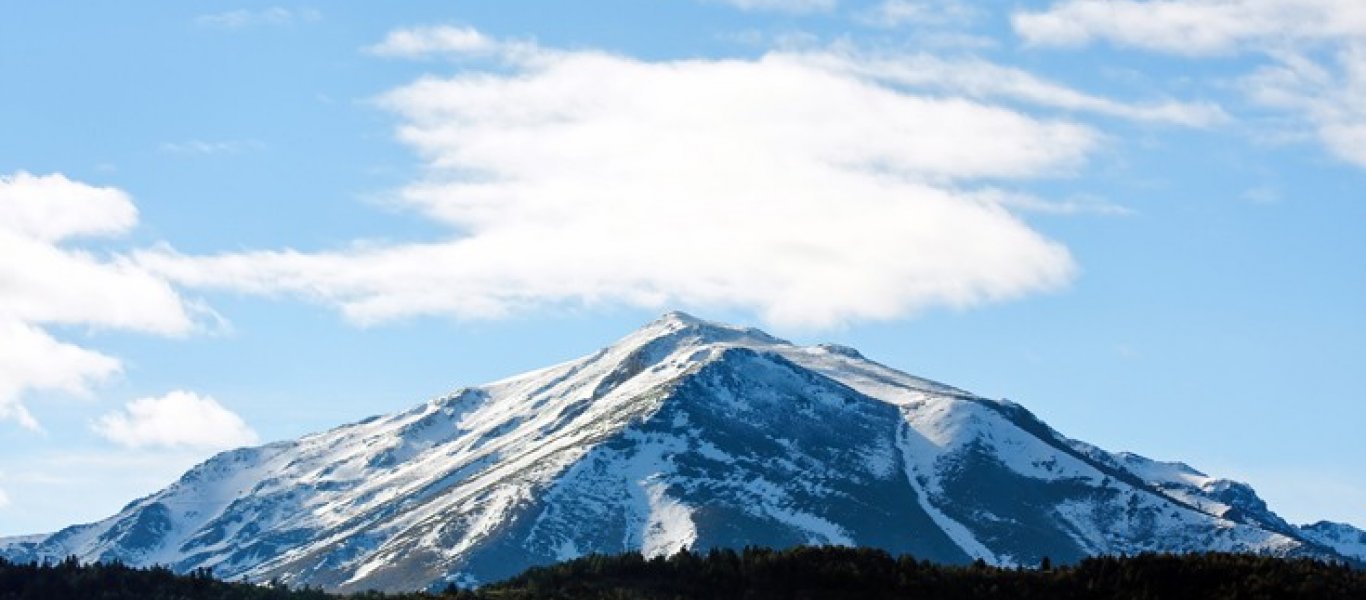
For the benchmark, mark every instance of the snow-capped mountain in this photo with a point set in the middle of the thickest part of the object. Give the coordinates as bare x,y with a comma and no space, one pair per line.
684,434
1347,540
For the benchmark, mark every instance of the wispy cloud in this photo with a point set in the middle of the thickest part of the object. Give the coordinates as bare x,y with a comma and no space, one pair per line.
438,39
790,39
179,419
1329,96
275,16
981,79
1193,27
207,148
1262,195
786,6
1076,205
1316,50
934,13
457,42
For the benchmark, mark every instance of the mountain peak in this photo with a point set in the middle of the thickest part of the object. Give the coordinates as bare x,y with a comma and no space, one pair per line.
678,324
678,317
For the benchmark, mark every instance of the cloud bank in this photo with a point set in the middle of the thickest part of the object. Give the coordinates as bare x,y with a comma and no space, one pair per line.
804,189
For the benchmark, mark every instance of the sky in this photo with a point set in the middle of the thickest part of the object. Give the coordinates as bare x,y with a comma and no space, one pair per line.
229,223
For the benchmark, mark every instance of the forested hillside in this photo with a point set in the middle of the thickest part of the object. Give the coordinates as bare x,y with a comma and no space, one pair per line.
757,573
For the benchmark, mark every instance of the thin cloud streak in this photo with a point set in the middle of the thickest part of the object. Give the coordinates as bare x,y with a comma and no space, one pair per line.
273,16
980,79
208,148
920,13
783,6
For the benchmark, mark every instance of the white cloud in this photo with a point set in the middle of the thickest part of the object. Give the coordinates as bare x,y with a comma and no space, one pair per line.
206,148
54,208
1331,98
1262,195
980,79
1193,26
31,359
272,16
787,6
452,41
896,13
46,282
809,194
1075,205
438,39
178,419
1329,95
4,499
790,39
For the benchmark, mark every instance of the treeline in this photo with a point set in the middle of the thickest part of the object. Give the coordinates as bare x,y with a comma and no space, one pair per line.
759,574
839,572
72,580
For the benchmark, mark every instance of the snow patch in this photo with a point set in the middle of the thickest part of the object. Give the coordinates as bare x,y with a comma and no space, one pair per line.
669,527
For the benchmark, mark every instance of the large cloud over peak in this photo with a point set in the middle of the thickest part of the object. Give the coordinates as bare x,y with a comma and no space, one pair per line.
742,119
800,189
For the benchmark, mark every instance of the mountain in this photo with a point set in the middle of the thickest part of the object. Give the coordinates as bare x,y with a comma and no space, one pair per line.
684,434
1345,539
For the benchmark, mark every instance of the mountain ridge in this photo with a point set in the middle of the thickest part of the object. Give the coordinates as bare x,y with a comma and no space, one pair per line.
684,433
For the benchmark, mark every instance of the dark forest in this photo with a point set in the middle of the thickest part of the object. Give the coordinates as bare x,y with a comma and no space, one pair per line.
759,573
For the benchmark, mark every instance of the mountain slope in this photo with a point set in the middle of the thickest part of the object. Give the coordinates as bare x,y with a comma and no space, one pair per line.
683,434
1345,539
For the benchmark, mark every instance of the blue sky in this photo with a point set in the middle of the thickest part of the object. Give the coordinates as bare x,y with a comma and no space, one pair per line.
236,222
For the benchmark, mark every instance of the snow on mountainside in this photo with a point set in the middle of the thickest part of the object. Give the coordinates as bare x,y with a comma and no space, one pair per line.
684,434
1347,540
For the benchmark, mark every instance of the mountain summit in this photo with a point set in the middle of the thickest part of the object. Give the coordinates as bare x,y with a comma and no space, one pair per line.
683,434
